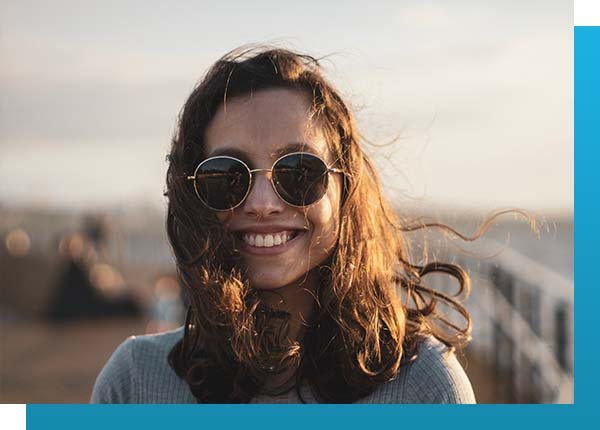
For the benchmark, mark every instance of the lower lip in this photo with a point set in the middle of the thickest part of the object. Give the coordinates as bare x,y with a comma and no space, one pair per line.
274,250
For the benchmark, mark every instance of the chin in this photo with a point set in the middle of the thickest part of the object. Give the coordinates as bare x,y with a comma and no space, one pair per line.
266,282
273,281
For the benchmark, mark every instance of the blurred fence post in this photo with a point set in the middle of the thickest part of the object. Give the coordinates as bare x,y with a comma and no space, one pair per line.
530,314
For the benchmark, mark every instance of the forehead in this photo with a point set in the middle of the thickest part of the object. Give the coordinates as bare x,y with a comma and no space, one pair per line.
265,125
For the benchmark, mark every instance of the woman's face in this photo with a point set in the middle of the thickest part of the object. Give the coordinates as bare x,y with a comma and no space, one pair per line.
258,129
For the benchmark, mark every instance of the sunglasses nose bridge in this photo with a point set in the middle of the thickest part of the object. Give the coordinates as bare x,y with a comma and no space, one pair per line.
268,172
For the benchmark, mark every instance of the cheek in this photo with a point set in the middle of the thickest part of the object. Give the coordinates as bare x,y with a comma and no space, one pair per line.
325,218
325,221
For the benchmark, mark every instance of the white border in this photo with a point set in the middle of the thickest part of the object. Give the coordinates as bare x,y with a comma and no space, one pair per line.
587,13
13,417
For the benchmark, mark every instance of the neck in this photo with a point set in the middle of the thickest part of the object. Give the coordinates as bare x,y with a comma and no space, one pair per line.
299,299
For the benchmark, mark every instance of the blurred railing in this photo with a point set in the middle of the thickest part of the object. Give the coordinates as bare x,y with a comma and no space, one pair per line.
523,326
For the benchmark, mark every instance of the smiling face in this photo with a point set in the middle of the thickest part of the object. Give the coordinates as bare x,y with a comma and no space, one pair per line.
279,243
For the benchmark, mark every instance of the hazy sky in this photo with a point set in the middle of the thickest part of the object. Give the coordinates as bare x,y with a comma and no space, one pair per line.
480,92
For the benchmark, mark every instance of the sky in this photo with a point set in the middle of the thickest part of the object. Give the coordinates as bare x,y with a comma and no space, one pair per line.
479,94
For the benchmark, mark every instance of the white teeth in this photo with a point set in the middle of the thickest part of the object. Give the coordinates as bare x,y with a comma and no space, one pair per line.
267,240
259,241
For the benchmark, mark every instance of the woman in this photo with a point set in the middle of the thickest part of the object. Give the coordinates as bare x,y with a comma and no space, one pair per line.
298,274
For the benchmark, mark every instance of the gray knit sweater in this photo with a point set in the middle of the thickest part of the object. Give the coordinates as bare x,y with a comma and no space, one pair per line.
138,372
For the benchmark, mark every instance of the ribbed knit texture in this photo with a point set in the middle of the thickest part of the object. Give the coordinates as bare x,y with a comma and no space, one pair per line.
138,372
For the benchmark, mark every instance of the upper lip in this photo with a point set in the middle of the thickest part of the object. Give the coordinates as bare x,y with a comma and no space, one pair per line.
263,229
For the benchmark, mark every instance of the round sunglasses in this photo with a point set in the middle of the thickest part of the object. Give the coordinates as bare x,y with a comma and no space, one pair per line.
300,179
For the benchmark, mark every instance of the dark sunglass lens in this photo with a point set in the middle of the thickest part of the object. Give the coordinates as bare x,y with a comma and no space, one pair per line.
222,183
300,179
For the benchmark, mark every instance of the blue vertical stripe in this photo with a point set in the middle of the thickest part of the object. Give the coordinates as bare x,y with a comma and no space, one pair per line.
587,210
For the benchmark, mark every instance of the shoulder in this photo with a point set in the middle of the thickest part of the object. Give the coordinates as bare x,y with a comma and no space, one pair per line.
435,376
138,362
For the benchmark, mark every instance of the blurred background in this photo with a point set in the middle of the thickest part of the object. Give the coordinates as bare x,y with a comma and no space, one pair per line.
477,98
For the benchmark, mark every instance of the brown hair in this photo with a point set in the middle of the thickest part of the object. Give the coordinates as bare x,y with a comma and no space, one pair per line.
372,304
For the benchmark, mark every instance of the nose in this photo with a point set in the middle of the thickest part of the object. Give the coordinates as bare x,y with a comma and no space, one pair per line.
262,200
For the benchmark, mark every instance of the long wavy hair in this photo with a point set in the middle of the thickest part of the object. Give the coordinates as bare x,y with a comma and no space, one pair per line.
372,304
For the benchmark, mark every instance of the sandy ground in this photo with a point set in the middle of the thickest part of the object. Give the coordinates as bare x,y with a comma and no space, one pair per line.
42,363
